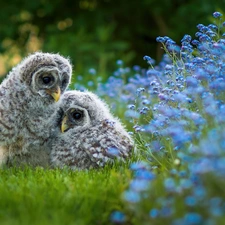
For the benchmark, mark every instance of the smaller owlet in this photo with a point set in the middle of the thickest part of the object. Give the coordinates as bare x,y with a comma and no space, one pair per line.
29,100
90,135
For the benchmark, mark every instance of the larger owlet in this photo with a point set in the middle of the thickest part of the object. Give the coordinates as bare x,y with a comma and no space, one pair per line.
90,136
29,102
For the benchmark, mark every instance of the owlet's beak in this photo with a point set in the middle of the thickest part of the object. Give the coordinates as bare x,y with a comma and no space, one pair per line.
55,93
64,125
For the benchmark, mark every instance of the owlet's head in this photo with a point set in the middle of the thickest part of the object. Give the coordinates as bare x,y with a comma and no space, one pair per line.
47,75
82,110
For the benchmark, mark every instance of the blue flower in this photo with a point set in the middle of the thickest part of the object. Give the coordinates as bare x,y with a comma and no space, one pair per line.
118,217
144,174
193,218
160,39
132,196
119,62
190,201
139,166
217,14
139,185
170,184
154,213
113,151
92,71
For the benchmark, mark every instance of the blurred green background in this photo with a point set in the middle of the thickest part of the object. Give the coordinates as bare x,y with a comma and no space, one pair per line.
95,33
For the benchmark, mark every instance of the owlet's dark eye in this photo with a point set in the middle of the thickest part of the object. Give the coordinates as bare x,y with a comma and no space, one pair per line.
47,79
77,115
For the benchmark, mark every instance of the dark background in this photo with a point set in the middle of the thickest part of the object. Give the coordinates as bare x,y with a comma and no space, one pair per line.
96,33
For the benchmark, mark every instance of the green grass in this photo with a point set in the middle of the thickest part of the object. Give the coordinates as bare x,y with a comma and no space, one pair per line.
61,196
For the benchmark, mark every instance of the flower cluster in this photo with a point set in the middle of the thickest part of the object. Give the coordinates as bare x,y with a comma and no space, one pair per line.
177,109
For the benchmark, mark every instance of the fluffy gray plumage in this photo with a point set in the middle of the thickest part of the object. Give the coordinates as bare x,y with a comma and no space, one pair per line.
90,136
28,103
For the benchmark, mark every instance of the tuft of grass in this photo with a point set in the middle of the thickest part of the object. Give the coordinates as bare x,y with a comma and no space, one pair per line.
61,196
